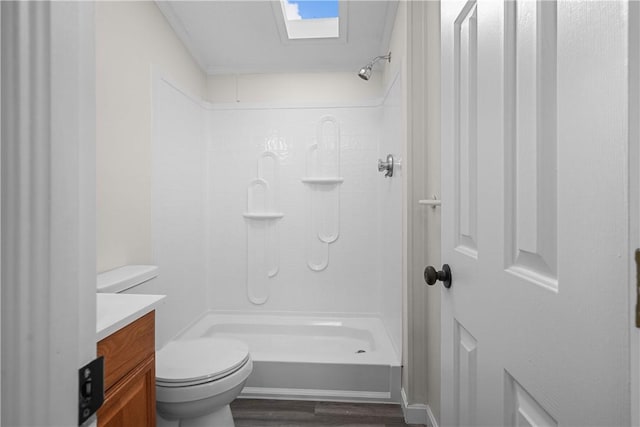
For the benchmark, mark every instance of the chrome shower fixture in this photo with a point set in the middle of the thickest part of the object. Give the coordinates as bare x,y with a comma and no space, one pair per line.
386,166
365,72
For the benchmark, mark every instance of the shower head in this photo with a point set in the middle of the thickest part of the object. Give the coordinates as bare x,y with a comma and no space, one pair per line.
365,72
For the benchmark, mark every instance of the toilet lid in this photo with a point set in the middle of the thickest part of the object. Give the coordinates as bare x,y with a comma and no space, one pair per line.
199,359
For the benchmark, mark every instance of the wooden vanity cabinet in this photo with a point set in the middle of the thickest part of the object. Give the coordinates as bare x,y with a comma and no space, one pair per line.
130,375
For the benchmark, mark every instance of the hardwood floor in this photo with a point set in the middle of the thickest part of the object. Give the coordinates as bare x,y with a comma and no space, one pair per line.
293,413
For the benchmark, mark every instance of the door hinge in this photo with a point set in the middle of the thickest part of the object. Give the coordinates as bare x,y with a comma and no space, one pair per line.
637,288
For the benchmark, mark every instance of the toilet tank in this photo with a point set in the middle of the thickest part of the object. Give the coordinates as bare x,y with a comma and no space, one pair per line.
126,277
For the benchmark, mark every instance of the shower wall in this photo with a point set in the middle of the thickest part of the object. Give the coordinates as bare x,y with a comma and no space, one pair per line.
363,271
282,205
390,202
178,209
312,276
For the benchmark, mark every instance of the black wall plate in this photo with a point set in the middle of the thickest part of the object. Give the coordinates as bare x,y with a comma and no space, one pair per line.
90,389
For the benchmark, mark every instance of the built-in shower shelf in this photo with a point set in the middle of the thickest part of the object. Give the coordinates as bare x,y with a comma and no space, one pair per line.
323,180
269,215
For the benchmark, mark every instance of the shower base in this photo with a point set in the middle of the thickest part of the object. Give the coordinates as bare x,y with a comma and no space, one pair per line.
311,358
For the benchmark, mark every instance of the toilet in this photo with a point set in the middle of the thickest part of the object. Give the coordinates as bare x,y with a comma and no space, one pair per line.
196,379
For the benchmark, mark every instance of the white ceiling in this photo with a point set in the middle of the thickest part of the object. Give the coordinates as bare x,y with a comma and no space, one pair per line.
238,36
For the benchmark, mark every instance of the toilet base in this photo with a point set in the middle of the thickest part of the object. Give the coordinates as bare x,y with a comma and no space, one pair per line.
220,418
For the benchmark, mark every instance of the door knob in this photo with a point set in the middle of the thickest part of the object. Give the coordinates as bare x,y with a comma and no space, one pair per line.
431,276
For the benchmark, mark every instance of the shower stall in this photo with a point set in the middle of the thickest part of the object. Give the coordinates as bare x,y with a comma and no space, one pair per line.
272,224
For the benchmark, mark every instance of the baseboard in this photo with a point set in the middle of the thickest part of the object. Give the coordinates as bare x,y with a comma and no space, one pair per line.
312,394
432,419
417,413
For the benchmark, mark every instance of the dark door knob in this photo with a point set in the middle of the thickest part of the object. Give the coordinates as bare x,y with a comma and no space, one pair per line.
431,276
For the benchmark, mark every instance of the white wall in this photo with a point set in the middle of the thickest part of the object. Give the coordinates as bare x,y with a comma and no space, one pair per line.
178,206
131,38
390,210
283,88
1,55
423,32
431,23
415,46
237,138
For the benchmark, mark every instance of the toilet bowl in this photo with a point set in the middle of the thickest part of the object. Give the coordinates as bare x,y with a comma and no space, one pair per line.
197,379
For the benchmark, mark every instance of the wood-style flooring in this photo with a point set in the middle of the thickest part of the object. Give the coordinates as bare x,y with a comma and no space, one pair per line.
294,413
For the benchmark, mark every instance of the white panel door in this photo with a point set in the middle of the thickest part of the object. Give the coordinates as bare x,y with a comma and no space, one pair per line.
634,198
535,327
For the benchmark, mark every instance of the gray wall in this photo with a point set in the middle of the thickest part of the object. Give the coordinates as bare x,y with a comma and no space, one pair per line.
422,373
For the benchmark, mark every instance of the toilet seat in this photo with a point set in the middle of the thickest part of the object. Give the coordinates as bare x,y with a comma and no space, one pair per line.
192,362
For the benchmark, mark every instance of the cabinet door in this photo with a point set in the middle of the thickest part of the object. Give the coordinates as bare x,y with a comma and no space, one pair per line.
132,401
127,348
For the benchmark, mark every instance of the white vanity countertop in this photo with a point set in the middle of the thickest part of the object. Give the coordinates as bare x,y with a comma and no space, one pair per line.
115,311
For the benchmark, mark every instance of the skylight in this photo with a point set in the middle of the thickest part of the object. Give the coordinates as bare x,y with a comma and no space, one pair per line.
311,19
